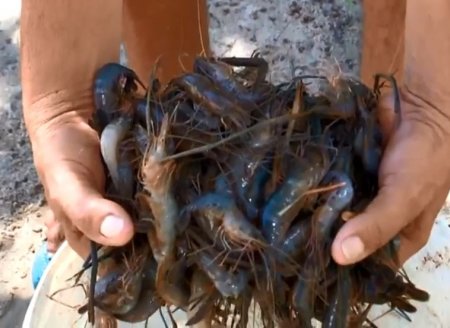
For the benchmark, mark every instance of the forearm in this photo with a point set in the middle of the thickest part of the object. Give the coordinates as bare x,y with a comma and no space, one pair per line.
382,38
427,54
63,43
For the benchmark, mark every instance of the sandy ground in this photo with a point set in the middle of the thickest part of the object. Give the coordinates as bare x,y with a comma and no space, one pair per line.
21,200
294,37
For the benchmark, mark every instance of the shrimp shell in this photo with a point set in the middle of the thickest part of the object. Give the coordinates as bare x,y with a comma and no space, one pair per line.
110,140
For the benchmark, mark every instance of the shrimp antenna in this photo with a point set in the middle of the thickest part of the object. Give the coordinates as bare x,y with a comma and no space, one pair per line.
200,30
152,80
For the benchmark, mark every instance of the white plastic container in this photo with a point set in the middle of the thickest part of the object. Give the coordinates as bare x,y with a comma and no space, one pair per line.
429,269
60,311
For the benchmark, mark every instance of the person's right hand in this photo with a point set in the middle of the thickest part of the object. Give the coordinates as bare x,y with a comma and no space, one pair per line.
67,158
61,48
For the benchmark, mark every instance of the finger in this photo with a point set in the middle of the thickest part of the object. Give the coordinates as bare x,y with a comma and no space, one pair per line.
54,233
101,220
55,237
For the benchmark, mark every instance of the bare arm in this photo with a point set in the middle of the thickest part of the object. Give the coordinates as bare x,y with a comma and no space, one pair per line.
414,175
427,53
383,38
63,42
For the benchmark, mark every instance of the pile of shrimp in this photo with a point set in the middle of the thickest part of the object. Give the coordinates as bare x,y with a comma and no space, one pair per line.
237,187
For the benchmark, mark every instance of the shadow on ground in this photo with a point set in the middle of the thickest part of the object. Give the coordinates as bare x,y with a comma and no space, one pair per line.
20,186
11,309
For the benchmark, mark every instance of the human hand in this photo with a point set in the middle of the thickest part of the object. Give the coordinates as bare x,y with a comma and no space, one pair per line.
54,233
414,182
67,158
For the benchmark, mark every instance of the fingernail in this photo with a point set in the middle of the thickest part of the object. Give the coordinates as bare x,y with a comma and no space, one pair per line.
112,226
352,248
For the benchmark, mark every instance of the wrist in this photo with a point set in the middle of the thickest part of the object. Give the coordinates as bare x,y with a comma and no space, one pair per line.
426,69
66,148
430,112
44,114
66,136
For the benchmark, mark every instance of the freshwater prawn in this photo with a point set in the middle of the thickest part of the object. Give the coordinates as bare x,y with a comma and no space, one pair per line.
286,201
221,209
117,291
121,172
157,181
213,100
156,177
114,89
221,73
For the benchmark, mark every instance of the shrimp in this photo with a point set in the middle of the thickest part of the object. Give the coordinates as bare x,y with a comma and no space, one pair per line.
222,75
295,239
157,180
338,103
203,296
337,312
142,106
198,117
216,102
336,202
251,171
149,301
170,282
113,83
254,62
110,140
367,143
118,290
324,220
285,203
156,177
221,208
251,187
379,284
229,284
141,139
303,302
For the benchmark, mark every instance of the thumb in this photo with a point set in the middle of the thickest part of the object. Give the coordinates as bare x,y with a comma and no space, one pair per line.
400,199
99,219
382,220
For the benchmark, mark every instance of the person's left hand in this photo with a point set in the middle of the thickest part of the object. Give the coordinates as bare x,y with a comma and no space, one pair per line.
414,180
